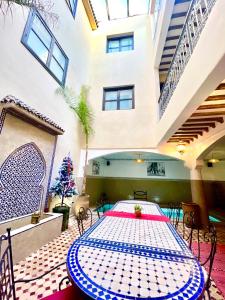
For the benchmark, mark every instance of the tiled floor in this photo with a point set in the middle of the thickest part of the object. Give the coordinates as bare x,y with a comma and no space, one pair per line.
55,252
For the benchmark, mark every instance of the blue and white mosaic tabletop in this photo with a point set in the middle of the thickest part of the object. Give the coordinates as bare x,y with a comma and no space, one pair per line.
122,258
128,206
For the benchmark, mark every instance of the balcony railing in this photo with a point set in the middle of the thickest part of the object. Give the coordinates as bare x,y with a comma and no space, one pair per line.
195,21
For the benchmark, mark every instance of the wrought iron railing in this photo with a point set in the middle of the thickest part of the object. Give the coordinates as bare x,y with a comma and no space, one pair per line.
195,21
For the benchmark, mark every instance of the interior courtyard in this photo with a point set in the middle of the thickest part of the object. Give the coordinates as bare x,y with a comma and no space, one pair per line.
112,149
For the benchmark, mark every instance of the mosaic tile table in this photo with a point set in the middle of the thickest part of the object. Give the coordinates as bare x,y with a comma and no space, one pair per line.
122,258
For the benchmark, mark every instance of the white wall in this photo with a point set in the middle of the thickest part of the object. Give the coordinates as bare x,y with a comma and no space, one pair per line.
217,172
126,128
22,76
131,169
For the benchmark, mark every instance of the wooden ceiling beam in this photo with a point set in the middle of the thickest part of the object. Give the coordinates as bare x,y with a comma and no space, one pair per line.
177,141
191,128
196,125
215,98
213,119
185,136
188,132
208,114
221,86
211,106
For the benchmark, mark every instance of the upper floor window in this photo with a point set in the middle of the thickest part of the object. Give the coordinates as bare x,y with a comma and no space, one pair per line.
120,43
73,6
39,40
118,98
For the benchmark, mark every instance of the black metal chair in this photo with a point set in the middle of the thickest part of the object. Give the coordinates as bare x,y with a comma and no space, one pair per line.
174,213
190,224
140,195
207,235
7,280
84,219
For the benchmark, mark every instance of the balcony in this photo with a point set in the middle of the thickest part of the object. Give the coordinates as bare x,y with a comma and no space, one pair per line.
195,21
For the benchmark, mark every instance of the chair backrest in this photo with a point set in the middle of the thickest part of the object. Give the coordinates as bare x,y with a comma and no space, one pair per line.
174,213
7,283
207,237
84,219
142,195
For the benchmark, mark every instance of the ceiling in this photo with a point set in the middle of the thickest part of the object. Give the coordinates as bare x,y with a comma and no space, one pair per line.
206,117
134,155
177,21
108,10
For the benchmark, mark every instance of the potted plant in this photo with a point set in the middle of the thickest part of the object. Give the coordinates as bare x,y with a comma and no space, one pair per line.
83,112
137,210
64,186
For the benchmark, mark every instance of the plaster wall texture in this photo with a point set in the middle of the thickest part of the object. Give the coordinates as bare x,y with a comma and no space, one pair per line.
124,128
25,78
32,237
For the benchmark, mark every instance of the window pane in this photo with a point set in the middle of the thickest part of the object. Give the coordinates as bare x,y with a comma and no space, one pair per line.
126,104
37,46
41,32
117,9
72,4
56,69
112,95
113,50
126,48
112,105
57,53
113,44
126,94
126,41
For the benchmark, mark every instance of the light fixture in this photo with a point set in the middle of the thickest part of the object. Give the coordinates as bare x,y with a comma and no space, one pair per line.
139,160
213,160
181,147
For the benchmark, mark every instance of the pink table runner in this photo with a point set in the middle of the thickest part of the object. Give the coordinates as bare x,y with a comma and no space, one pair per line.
121,214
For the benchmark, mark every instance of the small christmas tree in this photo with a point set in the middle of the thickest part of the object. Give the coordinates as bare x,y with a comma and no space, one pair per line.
64,185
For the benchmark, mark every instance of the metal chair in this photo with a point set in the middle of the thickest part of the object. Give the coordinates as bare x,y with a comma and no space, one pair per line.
84,219
101,209
140,195
189,225
208,235
174,213
7,280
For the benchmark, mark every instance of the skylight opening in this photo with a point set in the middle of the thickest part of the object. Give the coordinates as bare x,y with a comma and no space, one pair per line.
108,10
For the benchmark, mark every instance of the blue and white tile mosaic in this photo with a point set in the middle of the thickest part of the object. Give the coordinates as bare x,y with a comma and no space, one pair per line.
21,176
154,236
129,207
107,274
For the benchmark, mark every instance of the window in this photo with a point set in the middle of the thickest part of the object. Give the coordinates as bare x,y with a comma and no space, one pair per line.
39,40
121,43
72,6
118,98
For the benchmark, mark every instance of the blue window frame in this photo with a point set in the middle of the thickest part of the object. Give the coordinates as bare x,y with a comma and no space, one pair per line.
120,43
72,6
39,40
118,98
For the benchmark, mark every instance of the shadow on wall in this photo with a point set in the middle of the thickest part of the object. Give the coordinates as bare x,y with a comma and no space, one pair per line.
119,188
215,193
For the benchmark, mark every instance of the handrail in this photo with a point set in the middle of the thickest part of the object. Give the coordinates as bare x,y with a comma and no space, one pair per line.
196,18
